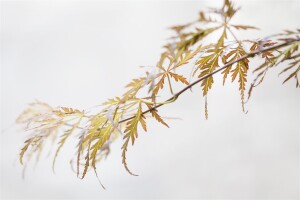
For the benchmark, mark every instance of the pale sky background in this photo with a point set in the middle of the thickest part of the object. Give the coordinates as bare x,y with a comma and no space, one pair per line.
79,53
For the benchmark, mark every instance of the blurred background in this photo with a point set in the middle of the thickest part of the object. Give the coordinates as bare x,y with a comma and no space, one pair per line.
80,53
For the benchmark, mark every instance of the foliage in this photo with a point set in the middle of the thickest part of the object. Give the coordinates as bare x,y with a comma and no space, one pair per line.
127,115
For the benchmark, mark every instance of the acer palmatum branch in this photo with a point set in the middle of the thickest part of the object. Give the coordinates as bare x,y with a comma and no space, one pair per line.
248,55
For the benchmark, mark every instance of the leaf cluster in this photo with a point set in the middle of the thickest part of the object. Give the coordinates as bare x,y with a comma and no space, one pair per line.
126,116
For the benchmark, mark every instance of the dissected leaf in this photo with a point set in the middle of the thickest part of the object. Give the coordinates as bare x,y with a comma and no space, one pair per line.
87,161
159,85
207,64
294,74
24,149
156,116
64,138
79,151
131,133
134,88
33,111
239,71
178,77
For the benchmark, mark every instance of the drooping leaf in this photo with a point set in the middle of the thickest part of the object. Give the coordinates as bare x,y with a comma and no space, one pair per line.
207,64
155,115
240,71
131,133
294,74
159,85
24,149
64,138
79,151
87,160
101,138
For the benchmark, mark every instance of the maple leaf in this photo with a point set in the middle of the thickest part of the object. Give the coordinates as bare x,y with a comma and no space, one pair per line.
268,55
207,64
112,102
34,111
228,9
204,17
87,160
178,77
160,84
64,137
240,70
220,43
131,133
79,151
185,57
293,65
168,74
24,149
102,137
134,86
155,114
193,38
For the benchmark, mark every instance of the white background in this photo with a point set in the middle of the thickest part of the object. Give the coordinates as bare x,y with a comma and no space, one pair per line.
79,53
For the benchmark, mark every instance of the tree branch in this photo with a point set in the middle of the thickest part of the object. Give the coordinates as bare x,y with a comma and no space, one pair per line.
248,55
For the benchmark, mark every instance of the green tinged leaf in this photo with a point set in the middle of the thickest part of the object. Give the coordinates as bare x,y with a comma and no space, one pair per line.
228,9
134,88
64,138
193,38
79,151
220,43
104,135
207,64
159,85
24,149
131,133
87,161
